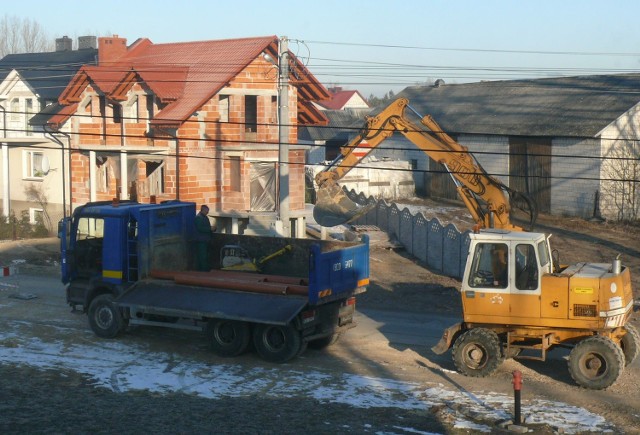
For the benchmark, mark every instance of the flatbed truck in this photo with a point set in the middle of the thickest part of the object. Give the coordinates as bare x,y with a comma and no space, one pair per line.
126,263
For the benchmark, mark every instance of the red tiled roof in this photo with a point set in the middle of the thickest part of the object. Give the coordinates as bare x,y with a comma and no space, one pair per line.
339,100
187,74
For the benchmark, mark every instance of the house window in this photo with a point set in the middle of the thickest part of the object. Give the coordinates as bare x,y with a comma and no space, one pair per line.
28,108
15,110
235,174
102,174
274,109
155,177
223,108
117,113
36,215
32,164
250,113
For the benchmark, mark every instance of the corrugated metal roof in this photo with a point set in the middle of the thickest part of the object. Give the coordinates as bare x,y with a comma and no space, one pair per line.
565,106
47,73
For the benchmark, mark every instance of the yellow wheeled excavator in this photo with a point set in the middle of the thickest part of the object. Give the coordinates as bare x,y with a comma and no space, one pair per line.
517,300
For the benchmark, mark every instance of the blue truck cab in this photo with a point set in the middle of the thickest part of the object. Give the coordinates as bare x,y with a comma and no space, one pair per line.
123,262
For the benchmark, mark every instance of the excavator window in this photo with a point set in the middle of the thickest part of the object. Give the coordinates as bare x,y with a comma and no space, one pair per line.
490,266
526,268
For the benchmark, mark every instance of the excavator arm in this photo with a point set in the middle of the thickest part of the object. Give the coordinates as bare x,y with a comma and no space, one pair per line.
486,198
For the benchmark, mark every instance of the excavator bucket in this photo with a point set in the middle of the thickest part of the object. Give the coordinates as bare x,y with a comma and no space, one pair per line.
333,207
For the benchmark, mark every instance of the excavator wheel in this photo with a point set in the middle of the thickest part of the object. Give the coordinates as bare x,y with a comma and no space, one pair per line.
477,352
596,362
630,343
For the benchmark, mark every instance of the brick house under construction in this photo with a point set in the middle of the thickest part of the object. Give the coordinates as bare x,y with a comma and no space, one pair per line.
196,121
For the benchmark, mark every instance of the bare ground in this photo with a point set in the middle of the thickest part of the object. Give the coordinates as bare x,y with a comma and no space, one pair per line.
398,283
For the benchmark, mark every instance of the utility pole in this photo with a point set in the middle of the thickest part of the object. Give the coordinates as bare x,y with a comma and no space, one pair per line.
283,135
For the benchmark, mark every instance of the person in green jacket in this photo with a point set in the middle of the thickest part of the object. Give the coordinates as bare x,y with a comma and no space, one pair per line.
203,238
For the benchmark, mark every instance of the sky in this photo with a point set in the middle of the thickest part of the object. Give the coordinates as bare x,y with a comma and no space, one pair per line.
376,46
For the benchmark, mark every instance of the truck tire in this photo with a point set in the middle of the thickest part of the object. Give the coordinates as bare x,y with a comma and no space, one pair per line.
323,342
596,362
477,352
228,338
277,343
104,317
630,343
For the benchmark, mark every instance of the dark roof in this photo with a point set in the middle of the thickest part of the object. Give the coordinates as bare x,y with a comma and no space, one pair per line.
342,124
565,106
47,73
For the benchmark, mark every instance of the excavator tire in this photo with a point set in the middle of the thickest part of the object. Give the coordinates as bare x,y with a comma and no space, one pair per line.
596,362
477,352
630,343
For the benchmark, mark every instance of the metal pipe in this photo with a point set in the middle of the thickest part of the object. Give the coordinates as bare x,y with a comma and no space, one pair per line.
5,162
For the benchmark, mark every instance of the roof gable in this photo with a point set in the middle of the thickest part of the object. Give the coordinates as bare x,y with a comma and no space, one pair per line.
564,106
340,100
186,75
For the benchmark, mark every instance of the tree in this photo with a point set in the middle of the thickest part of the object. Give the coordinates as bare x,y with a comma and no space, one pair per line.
35,193
22,35
381,101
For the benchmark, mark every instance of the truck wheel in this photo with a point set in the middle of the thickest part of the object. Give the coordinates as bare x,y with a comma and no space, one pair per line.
277,343
477,352
596,362
104,317
323,342
630,343
228,337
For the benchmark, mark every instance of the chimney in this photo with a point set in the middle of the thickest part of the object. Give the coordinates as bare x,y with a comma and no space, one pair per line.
111,48
87,42
64,44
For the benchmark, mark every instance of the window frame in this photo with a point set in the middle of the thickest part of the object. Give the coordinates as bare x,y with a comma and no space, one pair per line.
29,171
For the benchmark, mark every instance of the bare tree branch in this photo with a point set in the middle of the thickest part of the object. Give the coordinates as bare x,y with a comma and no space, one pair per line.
22,35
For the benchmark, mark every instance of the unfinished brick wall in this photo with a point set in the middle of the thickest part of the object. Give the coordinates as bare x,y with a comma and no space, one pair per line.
206,141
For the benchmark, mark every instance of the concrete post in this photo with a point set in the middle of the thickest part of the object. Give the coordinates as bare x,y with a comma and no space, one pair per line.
283,136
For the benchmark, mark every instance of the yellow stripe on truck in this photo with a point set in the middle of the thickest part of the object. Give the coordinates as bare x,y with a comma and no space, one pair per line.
363,282
117,274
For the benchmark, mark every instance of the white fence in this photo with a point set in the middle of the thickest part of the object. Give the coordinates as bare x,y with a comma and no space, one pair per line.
442,248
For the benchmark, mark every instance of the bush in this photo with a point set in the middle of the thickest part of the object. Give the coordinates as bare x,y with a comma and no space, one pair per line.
14,228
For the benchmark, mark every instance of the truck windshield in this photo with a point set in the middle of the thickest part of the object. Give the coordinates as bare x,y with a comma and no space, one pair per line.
90,228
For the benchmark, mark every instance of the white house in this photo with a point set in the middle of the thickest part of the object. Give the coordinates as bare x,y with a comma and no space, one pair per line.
570,142
32,162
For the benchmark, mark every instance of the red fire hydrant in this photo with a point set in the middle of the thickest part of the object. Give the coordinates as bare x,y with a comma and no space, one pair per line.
517,386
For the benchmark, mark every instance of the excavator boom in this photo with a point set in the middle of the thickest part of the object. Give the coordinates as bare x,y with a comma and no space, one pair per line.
486,198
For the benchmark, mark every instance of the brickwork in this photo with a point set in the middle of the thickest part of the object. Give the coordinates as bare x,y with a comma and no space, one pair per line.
204,169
